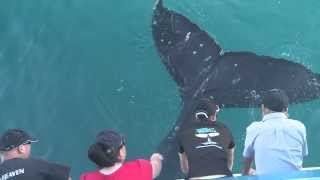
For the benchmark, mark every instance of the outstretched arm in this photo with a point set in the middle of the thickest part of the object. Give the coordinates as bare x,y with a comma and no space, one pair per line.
230,154
247,170
184,163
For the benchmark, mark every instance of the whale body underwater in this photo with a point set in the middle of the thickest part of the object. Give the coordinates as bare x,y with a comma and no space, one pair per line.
201,68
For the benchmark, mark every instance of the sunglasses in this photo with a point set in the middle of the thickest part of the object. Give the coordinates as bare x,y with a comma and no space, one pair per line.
26,142
204,115
16,146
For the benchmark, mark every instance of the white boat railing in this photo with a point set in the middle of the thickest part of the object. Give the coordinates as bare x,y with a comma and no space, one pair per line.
303,169
239,174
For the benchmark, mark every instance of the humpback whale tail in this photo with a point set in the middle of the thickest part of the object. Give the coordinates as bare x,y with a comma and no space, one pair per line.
233,79
187,51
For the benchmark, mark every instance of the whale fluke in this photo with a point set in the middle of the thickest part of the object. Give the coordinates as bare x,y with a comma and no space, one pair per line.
200,68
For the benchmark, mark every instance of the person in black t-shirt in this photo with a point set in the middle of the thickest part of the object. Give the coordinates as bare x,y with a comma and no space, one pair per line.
206,147
15,148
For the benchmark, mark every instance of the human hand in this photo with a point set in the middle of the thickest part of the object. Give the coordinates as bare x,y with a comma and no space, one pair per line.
156,156
249,172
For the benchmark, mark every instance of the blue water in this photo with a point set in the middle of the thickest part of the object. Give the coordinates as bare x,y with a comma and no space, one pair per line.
71,68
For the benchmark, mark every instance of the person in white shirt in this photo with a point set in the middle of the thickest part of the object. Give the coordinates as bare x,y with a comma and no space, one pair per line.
276,144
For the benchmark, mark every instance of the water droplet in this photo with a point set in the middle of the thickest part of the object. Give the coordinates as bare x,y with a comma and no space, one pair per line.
120,89
131,102
207,59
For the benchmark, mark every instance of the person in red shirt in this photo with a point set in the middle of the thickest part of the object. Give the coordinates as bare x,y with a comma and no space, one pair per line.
109,154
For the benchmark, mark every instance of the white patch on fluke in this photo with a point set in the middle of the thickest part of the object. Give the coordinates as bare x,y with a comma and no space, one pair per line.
208,58
187,36
235,81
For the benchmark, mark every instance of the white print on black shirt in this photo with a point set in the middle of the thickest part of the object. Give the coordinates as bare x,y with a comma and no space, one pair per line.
12,174
207,133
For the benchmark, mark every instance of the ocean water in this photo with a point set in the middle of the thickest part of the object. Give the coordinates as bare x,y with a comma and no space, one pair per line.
70,68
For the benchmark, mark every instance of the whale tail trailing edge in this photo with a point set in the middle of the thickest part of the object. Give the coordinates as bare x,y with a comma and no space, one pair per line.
186,51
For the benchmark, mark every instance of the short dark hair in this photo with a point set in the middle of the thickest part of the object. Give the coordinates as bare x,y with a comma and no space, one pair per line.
103,155
276,100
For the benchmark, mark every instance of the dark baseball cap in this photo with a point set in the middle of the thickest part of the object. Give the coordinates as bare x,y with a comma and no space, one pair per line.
13,138
204,108
110,138
276,100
